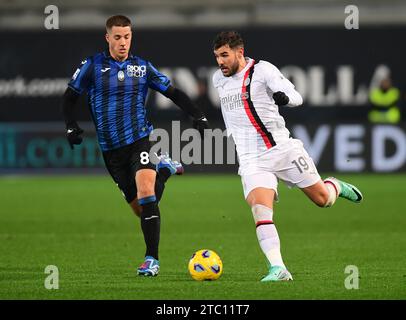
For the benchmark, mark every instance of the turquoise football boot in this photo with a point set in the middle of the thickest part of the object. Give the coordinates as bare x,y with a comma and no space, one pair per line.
346,190
277,273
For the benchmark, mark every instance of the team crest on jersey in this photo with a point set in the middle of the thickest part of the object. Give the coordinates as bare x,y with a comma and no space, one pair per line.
120,75
136,71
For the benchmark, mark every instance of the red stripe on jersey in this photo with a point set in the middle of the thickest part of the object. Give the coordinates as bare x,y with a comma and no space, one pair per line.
248,110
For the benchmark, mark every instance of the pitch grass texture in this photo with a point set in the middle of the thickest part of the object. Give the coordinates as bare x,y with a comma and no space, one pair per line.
84,227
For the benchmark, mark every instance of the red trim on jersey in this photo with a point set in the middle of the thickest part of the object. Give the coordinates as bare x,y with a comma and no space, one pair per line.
248,111
335,188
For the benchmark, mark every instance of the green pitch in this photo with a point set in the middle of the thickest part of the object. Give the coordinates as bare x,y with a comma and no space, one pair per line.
83,226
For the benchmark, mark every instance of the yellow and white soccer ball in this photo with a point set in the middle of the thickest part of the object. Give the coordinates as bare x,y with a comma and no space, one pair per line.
205,265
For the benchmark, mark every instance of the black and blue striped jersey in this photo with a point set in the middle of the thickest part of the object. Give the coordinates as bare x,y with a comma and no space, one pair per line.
116,95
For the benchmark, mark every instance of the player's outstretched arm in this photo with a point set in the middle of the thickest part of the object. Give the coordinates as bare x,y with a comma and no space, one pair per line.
182,100
76,86
73,131
289,97
295,99
285,93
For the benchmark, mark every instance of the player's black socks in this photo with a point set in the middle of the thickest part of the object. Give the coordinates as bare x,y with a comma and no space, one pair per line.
161,177
150,224
159,189
163,174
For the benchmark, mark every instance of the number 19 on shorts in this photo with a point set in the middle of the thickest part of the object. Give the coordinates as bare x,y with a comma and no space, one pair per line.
300,164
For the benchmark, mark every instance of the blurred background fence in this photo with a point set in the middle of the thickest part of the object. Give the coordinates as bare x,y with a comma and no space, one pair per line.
334,69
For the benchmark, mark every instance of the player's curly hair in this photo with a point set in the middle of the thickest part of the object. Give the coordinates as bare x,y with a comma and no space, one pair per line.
231,38
118,21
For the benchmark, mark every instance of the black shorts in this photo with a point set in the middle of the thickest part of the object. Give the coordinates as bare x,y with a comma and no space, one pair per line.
124,162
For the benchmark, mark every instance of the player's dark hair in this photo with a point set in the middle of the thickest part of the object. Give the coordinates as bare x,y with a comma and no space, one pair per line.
118,21
231,38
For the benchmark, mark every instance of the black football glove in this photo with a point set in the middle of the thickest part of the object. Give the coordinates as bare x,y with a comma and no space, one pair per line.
280,98
200,125
73,133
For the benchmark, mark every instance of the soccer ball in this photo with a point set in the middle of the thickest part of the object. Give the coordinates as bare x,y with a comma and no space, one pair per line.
205,265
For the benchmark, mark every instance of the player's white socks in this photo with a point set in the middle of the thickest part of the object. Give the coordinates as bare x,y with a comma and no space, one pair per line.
267,234
333,188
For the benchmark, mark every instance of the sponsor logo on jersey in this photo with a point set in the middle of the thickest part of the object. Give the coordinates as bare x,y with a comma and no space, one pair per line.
234,101
136,71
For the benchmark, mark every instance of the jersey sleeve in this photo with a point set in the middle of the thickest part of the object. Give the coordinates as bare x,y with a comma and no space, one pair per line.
276,81
157,80
216,84
215,79
81,78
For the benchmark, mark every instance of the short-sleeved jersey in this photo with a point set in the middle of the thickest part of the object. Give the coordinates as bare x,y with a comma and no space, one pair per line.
249,111
116,94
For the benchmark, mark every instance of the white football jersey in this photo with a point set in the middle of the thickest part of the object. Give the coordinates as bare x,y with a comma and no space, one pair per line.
249,111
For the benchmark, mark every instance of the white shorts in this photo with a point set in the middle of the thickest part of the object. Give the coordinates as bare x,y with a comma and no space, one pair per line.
288,162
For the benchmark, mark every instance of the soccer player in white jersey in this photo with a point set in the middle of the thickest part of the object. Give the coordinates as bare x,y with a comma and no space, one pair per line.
251,91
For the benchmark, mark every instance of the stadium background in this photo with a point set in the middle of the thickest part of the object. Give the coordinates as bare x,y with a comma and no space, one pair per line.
332,67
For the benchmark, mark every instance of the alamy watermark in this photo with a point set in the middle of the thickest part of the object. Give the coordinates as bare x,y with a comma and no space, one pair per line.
216,147
51,282
352,19
52,19
352,280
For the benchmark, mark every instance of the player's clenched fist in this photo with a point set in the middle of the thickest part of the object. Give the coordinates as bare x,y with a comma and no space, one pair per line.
200,125
73,133
280,98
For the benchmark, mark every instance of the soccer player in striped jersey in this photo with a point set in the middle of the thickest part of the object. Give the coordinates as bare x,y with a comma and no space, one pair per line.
251,91
117,83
